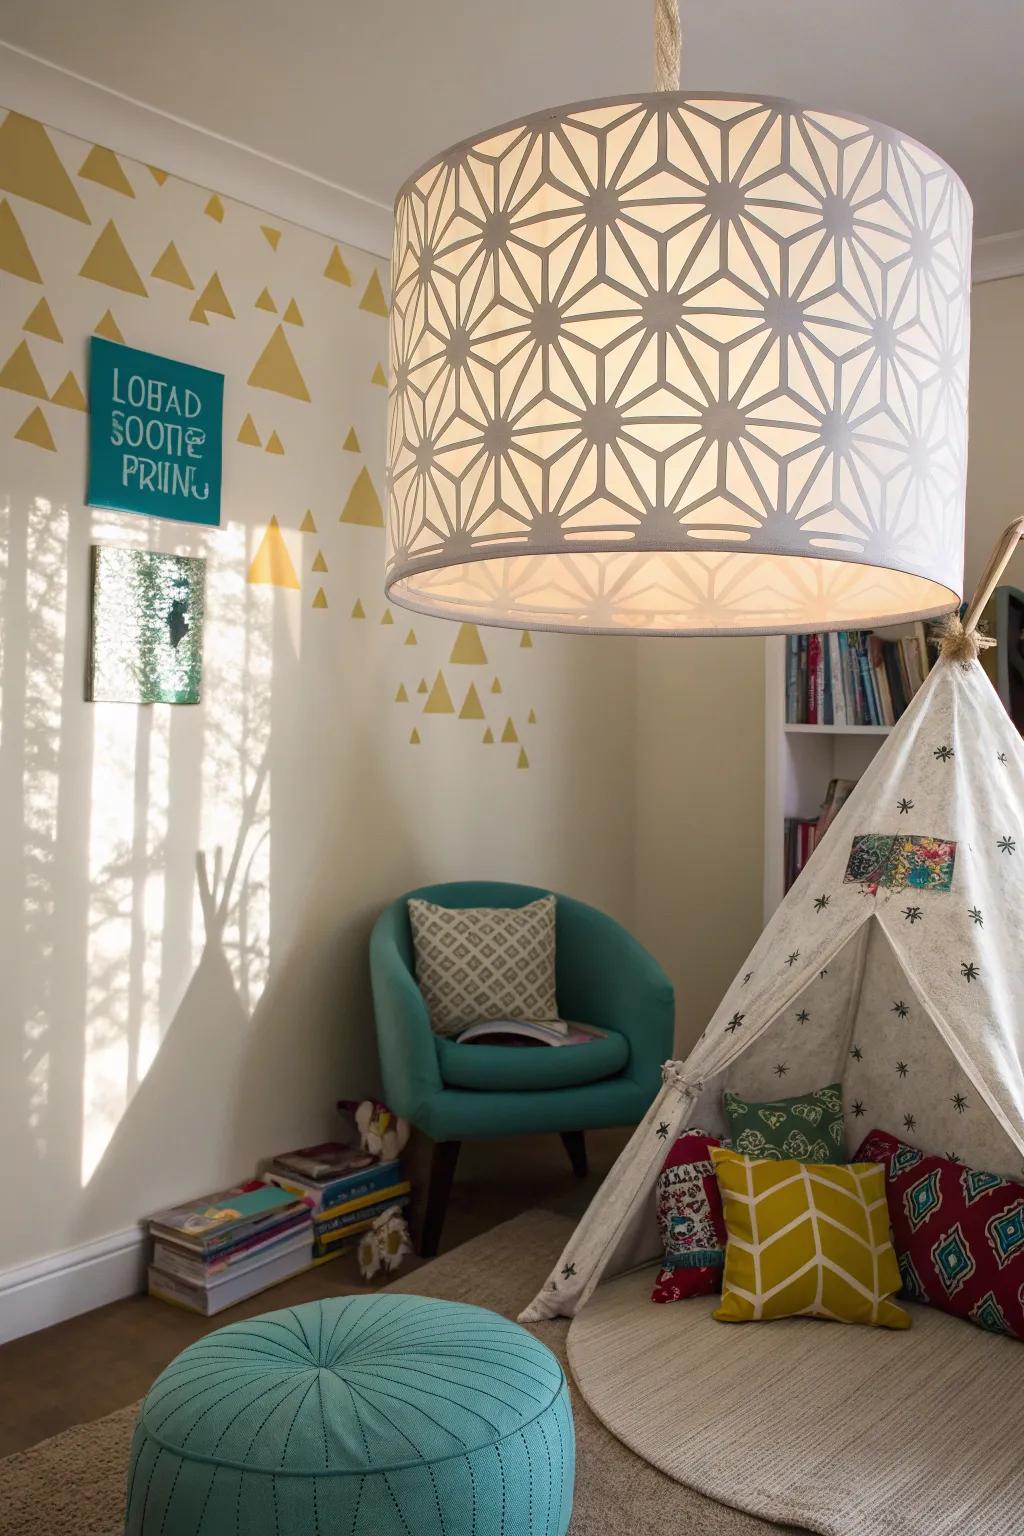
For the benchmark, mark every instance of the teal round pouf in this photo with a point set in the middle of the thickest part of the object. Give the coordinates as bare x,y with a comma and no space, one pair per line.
376,1415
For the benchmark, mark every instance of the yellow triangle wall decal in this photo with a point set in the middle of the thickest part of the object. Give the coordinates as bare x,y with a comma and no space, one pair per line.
358,611
69,393
109,328
471,709
102,165
386,617
31,168
488,737
272,565
509,733
421,686
266,302
319,563
320,601
308,524
41,323
373,298
292,315
274,444
336,269
526,643
531,718
215,209
21,374
214,301
15,256
271,235
158,175
414,737
522,761
248,434
109,262
496,685
439,701
468,650
277,369
171,269
378,376
401,697
351,443
35,430
363,505
410,638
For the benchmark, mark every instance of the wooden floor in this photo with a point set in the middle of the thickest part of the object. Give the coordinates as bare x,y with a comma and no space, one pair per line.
106,1359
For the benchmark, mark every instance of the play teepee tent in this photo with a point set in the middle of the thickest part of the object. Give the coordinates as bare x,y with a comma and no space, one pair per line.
894,965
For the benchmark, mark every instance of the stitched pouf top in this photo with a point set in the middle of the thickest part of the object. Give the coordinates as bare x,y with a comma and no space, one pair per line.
357,1415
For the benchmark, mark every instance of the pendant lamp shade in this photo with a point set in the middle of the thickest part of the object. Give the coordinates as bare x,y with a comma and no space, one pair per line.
680,364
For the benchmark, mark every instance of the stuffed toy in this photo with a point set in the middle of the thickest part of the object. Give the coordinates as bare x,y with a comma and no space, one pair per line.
380,1132
385,1245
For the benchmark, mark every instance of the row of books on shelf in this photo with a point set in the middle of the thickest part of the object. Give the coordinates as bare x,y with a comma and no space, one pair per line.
307,1206
853,677
803,834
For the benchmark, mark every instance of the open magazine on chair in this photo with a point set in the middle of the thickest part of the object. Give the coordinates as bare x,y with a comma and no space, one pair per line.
526,1032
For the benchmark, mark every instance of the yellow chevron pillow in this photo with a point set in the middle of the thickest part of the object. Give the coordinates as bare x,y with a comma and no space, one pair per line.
806,1240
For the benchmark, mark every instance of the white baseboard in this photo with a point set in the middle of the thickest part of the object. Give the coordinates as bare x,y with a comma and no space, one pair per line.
64,1284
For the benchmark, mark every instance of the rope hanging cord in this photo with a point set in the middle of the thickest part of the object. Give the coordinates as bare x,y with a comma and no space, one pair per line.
962,641
667,45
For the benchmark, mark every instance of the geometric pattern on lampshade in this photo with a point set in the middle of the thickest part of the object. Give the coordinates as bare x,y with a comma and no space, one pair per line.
680,364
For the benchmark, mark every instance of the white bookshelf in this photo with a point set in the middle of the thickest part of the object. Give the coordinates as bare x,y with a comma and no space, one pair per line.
799,761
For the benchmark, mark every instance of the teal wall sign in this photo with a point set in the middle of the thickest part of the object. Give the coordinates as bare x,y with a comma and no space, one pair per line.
154,434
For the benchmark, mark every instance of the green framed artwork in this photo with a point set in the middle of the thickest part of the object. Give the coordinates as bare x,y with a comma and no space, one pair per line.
155,430
146,637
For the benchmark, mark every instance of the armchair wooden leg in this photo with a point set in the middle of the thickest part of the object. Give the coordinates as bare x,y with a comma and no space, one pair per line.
444,1156
576,1146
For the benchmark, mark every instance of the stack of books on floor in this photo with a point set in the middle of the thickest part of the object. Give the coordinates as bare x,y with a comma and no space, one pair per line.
347,1190
853,677
218,1250
804,834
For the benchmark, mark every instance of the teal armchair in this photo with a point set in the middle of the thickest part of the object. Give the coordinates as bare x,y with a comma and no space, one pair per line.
453,1093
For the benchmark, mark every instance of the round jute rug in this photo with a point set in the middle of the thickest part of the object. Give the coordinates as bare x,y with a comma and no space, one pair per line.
849,1431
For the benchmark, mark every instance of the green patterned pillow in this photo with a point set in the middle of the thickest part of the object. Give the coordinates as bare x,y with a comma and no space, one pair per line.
808,1128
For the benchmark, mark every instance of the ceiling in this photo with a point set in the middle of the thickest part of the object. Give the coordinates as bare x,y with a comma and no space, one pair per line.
360,93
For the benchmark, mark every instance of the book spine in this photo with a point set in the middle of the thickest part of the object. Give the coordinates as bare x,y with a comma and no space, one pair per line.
332,1222
836,680
813,660
792,669
326,1237
351,1187
801,673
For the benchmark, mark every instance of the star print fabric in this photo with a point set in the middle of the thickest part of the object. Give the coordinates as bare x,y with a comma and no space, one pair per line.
690,1220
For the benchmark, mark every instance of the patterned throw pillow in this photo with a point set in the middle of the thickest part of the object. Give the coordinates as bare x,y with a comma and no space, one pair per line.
477,963
959,1234
689,1210
808,1128
806,1240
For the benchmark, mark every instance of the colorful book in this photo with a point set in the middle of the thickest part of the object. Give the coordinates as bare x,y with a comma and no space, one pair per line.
326,1161
339,1191
327,1235
208,1299
332,1221
218,1219
171,1260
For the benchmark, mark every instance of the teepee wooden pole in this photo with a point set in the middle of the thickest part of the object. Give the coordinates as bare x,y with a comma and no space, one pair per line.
998,561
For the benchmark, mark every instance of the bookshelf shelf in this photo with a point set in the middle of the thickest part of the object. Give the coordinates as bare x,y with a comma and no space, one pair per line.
800,760
835,730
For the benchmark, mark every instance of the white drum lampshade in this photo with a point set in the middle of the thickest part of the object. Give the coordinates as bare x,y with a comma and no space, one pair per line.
680,364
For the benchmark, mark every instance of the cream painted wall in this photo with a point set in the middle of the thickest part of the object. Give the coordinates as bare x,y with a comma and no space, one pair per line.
151,1049
700,814
700,735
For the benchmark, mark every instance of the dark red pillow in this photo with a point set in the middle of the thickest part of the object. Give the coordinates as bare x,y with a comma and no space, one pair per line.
689,1209
958,1233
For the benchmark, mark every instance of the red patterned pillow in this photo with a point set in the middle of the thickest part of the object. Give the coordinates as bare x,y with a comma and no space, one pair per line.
958,1233
690,1221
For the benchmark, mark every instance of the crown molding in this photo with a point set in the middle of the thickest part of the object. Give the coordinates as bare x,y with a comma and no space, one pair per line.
998,256
69,102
